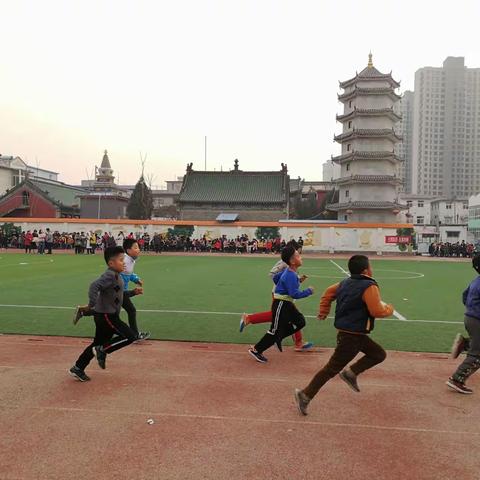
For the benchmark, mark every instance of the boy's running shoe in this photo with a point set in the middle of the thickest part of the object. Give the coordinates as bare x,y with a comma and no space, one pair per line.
243,322
458,345
100,355
350,379
458,386
257,356
305,347
79,374
78,314
143,336
301,401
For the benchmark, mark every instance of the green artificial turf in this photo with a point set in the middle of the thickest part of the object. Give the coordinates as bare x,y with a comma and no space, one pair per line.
202,285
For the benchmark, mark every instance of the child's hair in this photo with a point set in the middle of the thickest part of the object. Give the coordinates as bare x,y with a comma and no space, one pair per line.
294,243
129,243
287,253
476,263
111,252
357,264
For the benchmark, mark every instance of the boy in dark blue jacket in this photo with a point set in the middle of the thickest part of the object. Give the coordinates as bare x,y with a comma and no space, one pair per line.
286,319
471,300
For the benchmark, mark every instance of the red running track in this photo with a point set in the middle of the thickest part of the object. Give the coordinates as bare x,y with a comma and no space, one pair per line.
220,415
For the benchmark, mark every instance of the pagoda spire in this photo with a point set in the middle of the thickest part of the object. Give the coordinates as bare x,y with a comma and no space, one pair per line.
370,62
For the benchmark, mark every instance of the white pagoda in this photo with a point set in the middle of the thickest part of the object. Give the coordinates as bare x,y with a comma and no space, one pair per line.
368,185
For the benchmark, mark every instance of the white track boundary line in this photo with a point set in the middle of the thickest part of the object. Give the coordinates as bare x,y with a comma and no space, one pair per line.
245,420
197,312
395,313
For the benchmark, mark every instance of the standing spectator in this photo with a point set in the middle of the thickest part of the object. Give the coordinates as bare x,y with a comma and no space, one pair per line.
48,241
28,242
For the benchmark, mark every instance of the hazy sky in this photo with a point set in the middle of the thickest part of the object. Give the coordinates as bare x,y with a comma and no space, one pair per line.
259,78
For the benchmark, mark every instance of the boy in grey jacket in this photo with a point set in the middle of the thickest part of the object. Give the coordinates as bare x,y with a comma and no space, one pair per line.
105,297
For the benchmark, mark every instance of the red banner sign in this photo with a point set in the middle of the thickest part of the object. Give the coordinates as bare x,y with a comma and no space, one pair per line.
403,239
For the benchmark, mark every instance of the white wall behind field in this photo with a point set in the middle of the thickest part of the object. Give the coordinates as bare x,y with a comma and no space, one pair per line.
316,238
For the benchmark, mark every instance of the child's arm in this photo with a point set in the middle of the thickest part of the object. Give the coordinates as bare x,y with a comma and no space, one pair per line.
293,283
134,292
328,297
375,306
465,295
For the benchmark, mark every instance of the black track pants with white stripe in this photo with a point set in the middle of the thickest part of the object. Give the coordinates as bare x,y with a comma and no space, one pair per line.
286,320
111,333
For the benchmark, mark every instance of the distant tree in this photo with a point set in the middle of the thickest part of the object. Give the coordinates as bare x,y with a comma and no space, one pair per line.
9,229
140,206
267,232
407,232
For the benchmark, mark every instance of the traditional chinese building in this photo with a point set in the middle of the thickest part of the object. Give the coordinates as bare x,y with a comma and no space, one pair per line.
105,199
369,183
262,196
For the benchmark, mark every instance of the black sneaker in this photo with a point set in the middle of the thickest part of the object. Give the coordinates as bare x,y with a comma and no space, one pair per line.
143,336
350,379
79,374
458,345
458,386
302,401
257,356
100,355
78,315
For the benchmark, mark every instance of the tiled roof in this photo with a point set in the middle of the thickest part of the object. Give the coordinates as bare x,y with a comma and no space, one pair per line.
370,74
369,179
367,132
369,112
374,205
369,91
235,187
355,155
60,193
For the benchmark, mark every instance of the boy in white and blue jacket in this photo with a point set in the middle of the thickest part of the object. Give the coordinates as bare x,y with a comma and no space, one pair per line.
132,250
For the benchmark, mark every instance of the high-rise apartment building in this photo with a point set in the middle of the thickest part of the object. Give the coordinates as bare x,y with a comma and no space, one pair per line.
404,148
446,130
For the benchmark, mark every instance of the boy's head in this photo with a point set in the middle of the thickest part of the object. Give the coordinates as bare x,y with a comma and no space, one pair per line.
359,265
293,243
476,263
114,258
130,245
291,256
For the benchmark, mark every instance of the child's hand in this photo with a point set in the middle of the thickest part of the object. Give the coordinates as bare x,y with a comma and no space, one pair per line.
303,278
321,317
138,291
312,290
140,282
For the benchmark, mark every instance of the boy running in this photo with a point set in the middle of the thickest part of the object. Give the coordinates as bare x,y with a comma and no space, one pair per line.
286,319
132,250
105,297
471,300
358,304
266,317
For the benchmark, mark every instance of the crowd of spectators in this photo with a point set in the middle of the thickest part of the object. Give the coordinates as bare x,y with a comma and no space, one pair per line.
446,249
46,241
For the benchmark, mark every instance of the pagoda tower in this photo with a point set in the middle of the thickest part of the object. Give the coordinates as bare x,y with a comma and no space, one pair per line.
104,177
368,185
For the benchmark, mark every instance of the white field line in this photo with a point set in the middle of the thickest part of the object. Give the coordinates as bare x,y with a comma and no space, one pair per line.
395,313
243,420
197,312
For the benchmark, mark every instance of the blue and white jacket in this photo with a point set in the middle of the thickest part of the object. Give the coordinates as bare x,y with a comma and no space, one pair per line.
471,299
128,275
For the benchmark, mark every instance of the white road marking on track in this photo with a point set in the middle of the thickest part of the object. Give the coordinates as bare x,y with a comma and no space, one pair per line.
197,312
246,420
395,313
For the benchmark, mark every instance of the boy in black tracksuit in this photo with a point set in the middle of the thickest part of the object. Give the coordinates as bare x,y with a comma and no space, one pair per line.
286,319
105,298
358,303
